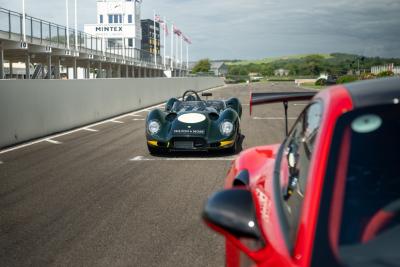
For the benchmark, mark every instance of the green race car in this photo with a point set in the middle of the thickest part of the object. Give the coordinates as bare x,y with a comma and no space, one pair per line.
193,124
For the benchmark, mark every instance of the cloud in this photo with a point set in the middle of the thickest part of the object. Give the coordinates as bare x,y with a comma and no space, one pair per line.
262,28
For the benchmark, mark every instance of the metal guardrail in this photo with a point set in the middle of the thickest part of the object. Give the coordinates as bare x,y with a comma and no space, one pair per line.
55,36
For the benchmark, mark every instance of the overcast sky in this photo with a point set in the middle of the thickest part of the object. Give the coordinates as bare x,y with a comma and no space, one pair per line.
255,29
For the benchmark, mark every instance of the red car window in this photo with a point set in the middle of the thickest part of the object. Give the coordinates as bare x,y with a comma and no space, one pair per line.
297,156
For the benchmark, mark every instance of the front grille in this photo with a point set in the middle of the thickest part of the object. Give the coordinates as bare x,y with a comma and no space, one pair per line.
183,144
188,143
162,144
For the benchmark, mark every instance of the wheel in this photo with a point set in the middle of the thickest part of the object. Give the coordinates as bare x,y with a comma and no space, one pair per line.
155,150
235,148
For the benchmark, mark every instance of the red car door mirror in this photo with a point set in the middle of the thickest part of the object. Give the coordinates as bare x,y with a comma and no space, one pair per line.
232,213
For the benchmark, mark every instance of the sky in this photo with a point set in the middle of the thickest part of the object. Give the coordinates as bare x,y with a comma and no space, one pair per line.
256,29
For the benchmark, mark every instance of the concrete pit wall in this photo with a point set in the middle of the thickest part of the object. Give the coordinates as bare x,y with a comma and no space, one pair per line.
30,109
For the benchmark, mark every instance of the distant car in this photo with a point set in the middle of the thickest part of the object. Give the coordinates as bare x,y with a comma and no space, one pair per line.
329,195
332,80
193,124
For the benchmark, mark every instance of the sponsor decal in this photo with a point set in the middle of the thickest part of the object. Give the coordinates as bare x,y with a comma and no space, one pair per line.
190,131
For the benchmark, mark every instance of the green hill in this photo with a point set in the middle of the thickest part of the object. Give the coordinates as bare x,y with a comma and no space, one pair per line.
273,59
308,65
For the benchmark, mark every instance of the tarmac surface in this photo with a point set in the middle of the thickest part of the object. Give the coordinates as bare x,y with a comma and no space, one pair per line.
96,197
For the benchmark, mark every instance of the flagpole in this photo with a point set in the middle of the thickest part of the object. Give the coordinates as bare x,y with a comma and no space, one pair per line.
155,40
165,36
123,22
76,26
23,22
181,51
176,48
172,46
66,4
176,51
187,56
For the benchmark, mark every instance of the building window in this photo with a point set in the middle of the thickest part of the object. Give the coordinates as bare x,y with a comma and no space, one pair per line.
101,18
115,43
115,18
129,18
130,42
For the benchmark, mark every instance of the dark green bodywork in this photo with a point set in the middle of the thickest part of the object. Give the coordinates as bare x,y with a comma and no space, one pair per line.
205,134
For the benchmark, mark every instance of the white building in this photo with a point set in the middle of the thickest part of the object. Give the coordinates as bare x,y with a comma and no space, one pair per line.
219,68
281,72
118,22
389,67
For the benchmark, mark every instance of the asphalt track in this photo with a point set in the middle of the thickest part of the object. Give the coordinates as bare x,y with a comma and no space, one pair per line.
95,197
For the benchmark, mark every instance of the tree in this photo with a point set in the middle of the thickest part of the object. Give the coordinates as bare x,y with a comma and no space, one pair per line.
387,73
203,65
267,70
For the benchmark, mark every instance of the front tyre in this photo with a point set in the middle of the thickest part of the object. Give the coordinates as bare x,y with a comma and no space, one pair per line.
233,149
155,150
236,146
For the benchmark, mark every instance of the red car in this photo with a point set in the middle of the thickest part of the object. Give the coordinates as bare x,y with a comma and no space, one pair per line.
329,195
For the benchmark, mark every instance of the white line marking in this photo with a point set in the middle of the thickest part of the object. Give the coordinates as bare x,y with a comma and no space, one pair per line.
90,130
1,162
273,118
53,142
89,126
115,121
138,119
142,158
134,115
300,104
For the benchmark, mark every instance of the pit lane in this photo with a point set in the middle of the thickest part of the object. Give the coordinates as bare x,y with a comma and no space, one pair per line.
95,197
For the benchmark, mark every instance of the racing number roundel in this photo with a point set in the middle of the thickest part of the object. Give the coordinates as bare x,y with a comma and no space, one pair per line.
191,118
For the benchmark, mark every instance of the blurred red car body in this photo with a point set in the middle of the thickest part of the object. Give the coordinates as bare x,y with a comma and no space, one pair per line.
327,195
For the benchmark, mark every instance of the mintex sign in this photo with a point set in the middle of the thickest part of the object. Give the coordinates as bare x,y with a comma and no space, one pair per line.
111,31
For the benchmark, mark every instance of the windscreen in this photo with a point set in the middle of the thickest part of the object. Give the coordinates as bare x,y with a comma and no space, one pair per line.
184,106
370,229
216,104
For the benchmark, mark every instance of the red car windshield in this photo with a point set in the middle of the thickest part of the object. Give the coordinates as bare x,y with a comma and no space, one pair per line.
361,225
370,228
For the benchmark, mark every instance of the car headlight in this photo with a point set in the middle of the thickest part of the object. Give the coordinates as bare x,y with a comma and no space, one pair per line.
154,127
226,128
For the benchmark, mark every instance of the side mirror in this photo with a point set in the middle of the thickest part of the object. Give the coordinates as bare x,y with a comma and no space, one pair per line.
232,212
206,94
242,179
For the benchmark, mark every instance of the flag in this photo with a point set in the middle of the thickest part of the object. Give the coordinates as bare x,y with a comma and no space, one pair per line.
165,28
177,31
157,18
187,39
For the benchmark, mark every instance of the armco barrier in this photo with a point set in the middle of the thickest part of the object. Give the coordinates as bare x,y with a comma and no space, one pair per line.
31,109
